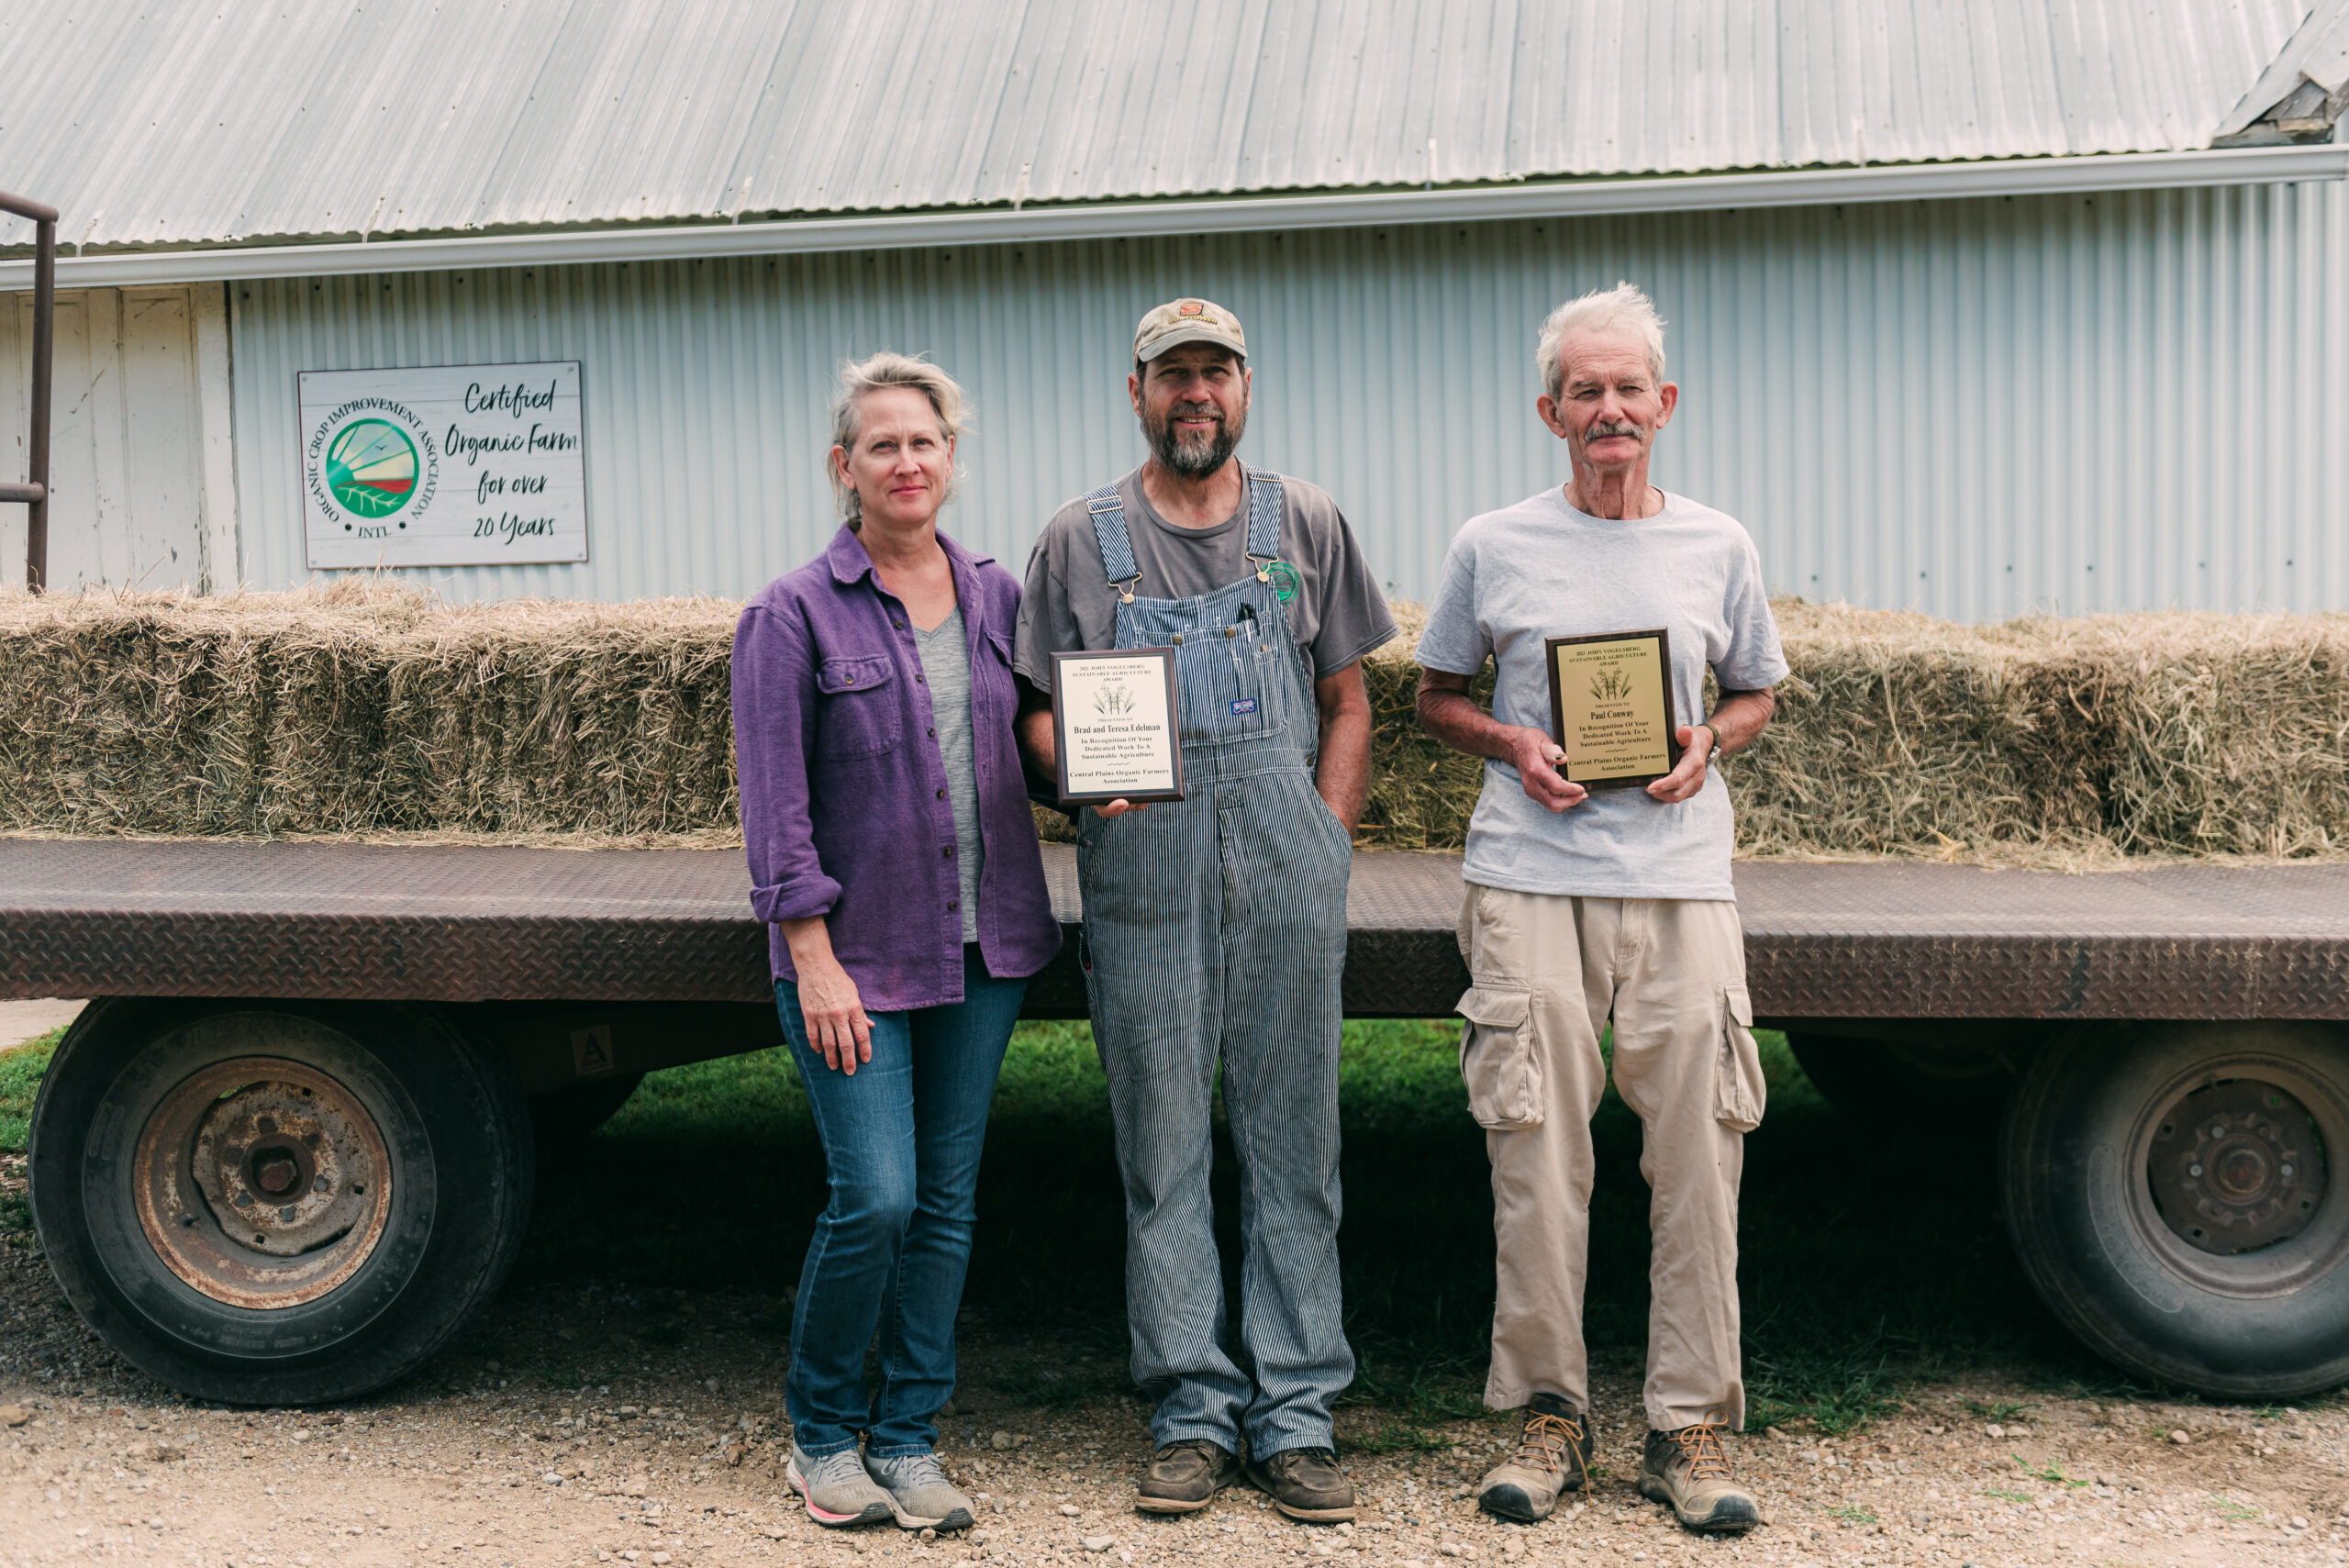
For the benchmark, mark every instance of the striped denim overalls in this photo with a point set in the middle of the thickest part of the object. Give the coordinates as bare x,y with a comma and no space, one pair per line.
1215,927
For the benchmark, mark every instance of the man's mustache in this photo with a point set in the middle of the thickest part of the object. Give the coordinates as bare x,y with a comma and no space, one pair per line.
1599,432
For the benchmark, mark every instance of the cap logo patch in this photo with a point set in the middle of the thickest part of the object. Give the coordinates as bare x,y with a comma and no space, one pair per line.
1191,307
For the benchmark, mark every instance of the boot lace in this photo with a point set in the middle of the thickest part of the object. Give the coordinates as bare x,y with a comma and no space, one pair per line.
1701,1446
1552,1443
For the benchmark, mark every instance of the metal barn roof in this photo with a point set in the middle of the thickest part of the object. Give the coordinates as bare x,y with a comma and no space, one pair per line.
246,122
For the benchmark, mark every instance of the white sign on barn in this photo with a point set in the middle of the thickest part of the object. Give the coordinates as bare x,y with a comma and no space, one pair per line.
443,465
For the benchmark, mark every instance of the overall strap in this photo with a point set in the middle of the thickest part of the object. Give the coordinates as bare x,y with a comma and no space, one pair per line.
1264,515
1116,545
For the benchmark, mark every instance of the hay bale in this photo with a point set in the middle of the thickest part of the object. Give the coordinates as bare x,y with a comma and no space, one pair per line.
2232,733
1422,792
2040,741
1899,734
367,709
363,709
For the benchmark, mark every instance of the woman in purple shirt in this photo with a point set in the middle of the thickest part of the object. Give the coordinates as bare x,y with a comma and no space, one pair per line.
894,859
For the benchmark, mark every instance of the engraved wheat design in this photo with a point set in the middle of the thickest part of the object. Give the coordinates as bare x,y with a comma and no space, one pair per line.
1610,684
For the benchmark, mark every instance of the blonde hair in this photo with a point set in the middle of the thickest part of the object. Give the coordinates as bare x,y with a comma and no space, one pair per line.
862,377
1622,307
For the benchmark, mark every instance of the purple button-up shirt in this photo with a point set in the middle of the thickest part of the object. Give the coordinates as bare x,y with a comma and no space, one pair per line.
844,799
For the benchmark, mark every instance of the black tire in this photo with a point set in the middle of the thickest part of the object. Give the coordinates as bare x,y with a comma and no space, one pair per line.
402,1156
563,1118
2179,1194
1951,1093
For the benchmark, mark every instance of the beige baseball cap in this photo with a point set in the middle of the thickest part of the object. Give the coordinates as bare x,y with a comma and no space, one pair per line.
1180,321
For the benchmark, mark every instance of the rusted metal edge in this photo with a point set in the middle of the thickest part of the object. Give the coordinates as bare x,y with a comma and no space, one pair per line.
2047,977
1389,973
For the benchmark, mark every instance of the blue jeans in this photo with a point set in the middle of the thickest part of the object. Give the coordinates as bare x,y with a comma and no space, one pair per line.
901,1139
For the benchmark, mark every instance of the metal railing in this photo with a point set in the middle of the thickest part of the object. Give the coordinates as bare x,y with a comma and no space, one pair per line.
35,490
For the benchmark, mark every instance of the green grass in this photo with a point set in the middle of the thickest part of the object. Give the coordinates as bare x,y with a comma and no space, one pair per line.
2052,1475
1853,1514
2001,1410
21,1071
1831,1394
1866,1267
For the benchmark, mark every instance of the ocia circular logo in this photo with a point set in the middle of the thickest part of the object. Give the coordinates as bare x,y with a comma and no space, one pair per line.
369,465
372,468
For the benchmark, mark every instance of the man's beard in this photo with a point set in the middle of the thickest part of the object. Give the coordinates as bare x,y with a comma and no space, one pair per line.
1195,457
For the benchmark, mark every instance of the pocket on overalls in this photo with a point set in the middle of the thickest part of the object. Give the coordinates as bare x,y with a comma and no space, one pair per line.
1740,1093
1497,1057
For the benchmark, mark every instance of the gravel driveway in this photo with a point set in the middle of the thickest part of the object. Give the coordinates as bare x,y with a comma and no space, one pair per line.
671,1455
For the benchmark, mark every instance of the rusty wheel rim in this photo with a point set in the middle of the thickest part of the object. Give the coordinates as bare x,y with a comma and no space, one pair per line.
2239,1186
2238,1166
262,1183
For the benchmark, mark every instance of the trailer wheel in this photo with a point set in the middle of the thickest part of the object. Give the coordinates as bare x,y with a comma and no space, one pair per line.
278,1203
2180,1193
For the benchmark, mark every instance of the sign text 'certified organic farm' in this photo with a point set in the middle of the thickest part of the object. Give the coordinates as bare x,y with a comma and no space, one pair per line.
443,465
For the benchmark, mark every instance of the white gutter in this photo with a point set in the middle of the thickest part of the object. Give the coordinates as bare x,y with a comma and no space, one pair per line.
997,226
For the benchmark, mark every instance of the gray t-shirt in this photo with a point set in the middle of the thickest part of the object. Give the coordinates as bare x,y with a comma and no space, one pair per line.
945,652
1339,613
1542,569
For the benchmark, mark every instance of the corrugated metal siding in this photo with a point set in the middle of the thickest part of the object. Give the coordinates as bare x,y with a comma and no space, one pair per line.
1974,409
176,124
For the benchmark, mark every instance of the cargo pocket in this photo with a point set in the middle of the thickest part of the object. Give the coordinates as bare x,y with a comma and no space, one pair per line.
1742,1093
1496,1058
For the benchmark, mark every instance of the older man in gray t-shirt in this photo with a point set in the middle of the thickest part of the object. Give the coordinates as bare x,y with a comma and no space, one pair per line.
1584,905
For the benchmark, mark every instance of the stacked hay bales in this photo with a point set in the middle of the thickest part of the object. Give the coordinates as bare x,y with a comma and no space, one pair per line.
371,710
364,709
2039,741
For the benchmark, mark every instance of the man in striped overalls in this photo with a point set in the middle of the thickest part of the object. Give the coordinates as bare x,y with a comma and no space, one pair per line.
1215,926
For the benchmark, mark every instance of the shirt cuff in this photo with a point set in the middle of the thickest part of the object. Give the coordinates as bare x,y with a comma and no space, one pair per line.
1756,681
1377,641
794,901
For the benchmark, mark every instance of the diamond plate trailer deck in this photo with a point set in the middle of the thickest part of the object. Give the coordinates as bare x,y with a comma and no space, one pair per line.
2161,1044
496,924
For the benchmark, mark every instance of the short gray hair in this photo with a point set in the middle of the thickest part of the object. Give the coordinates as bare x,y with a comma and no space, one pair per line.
1620,308
859,378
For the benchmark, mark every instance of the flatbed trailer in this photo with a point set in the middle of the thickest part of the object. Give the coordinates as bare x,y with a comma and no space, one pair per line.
288,1152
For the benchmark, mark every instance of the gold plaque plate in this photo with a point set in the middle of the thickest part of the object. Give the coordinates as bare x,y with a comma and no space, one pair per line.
1610,707
1115,718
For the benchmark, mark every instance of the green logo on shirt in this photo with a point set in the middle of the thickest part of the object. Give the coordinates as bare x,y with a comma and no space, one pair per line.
1285,581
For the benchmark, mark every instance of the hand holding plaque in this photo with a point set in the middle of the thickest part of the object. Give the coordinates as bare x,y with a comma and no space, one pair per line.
1114,727
1610,707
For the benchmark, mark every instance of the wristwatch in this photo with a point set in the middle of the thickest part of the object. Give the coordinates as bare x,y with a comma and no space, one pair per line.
1714,755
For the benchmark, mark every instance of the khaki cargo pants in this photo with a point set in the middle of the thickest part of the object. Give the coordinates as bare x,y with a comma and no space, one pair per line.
1548,972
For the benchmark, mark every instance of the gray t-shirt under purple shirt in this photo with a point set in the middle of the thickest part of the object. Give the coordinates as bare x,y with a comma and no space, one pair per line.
1541,568
1339,613
946,661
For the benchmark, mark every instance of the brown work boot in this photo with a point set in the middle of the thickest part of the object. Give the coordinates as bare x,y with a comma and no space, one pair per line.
1689,1470
1305,1483
1184,1476
1553,1456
